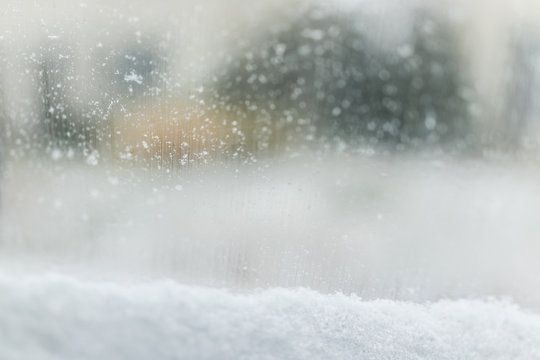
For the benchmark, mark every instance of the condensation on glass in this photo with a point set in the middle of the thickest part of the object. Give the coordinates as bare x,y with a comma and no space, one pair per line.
271,143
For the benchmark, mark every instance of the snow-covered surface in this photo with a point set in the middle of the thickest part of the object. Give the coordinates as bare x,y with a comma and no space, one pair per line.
217,263
58,317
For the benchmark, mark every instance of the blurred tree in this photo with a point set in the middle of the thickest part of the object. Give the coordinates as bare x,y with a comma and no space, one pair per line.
520,87
323,78
62,124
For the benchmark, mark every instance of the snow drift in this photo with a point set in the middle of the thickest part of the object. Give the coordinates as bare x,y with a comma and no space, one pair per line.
58,317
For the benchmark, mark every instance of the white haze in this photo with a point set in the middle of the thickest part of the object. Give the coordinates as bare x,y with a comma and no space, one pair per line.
397,228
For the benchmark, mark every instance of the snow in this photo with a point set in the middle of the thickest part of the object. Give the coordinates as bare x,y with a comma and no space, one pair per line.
132,76
59,317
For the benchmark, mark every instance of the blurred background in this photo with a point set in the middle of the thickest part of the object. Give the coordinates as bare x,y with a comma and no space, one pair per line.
383,148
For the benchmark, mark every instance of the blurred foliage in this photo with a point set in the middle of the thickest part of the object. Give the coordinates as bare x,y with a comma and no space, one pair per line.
322,79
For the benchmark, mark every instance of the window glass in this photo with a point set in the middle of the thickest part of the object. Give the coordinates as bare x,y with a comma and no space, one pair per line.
302,179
